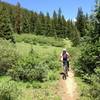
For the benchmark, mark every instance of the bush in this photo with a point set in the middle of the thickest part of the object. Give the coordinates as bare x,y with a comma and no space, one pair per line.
33,67
88,60
92,92
8,56
29,69
9,91
42,40
95,88
88,67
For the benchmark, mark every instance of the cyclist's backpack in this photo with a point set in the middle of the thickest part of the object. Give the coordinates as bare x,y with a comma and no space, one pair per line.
65,56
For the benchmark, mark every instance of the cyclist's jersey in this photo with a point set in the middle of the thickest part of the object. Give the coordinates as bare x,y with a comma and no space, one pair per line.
65,57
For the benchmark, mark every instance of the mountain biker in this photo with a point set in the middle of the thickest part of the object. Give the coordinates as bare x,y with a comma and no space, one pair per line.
64,57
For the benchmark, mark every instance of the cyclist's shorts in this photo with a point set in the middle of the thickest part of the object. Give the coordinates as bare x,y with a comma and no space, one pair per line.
64,63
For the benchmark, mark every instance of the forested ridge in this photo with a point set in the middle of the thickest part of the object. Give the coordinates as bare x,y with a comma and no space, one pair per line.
30,44
20,20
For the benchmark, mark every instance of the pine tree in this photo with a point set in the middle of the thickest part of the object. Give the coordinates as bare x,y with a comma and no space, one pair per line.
25,22
48,25
90,57
43,21
60,17
54,23
80,23
5,25
33,18
38,27
18,19
72,33
64,26
96,34
59,24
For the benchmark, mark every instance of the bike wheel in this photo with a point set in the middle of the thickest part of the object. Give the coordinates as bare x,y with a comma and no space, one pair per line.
66,71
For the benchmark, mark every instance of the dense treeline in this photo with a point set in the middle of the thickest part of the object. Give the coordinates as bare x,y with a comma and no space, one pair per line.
88,66
15,19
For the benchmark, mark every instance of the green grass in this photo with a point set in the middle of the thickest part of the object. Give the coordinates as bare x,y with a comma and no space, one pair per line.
43,40
35,90
24,49
82,89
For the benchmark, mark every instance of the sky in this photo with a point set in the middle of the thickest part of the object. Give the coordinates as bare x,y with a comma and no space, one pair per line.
69,7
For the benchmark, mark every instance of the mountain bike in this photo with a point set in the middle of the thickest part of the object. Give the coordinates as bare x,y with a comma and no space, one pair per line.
65,70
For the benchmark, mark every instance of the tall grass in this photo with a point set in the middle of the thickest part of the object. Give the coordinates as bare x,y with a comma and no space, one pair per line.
41,40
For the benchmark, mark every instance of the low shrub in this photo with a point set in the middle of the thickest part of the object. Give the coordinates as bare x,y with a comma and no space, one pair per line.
9,91
29,69
8,56
42,40
35,67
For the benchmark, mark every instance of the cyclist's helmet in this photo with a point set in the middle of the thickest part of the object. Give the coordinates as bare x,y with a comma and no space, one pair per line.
64,49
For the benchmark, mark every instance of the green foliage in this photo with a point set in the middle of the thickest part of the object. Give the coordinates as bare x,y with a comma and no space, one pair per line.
25,21
88,66
53,75
80,23
72,33
87,61
18,18
95,35
90,91
5,25
45,91
9,91
34,67
8,56
42,40
28,69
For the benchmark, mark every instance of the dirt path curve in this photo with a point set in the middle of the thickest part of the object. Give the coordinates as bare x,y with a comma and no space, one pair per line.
68,88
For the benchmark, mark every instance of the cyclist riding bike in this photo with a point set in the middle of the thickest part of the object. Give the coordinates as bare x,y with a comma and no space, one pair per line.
64,57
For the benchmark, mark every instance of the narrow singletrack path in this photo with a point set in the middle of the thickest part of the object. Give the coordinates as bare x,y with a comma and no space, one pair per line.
68,88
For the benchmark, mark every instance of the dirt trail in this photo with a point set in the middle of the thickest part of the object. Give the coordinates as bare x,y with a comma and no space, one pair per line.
68,88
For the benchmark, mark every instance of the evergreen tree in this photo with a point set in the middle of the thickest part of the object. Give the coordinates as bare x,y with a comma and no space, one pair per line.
11,12
25,23
72,33
59,24
90,57
60,17
33,18
54,23
5,25
38,27
48,25
80,23
96,34
42,21
18,18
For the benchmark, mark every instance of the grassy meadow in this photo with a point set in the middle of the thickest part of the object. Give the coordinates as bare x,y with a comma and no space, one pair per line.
35,73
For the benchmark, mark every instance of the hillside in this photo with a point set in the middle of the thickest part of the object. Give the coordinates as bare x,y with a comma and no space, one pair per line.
31,43
20,20
45,56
